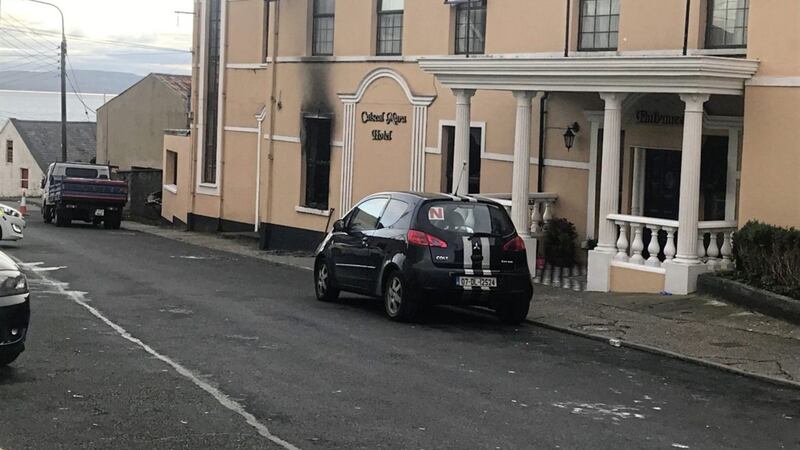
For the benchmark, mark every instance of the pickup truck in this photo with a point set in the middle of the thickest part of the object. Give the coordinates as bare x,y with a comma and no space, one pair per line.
79,191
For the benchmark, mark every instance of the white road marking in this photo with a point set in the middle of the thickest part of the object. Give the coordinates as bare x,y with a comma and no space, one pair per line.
48,269
223,399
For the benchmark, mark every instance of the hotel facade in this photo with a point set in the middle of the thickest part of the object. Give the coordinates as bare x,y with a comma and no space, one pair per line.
657,127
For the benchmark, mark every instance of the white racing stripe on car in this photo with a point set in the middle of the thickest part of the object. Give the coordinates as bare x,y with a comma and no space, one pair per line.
486,263
467,256
223,399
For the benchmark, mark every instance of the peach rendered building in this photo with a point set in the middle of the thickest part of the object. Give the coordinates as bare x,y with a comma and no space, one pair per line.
630,118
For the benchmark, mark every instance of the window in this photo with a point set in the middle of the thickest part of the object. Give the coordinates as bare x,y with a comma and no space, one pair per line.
396,215
23,178
322,39
316,161
9,151
599,25
265,52
80,172
171,169
365,216
464,218
390,27
471,27
727,23
212,93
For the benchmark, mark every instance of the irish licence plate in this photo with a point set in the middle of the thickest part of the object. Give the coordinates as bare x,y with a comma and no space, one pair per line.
482,282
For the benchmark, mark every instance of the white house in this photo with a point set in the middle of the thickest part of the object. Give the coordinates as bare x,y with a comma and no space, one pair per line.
29,146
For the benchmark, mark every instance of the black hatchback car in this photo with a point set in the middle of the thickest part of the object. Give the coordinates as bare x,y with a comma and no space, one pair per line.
416,249
14,310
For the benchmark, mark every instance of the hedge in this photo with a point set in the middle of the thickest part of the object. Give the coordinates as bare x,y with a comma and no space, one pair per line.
768,257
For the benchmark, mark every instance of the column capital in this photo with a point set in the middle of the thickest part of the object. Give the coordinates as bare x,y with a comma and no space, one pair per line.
694,102
613,100
463,95
523,96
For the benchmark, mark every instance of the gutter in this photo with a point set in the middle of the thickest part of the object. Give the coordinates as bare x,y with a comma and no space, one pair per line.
273,102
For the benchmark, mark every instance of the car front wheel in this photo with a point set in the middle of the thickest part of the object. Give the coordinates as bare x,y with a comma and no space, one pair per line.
323,283
8,358
397,301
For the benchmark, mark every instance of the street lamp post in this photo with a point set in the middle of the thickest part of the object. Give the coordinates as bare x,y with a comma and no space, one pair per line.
63,81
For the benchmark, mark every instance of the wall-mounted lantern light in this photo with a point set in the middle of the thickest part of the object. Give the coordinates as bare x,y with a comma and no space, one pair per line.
569,135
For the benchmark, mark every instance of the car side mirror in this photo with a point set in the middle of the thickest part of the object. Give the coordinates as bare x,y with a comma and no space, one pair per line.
338,226
44,181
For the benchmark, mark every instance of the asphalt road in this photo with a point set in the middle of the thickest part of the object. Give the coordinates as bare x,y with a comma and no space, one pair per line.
141,342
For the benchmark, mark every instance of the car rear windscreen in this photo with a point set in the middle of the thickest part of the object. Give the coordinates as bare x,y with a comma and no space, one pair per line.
80,172
463,218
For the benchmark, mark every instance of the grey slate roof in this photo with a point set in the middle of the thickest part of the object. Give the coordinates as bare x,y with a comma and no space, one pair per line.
181,84
43,139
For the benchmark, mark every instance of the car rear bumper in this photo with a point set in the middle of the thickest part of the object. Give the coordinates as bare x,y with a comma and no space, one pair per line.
434,285
14,320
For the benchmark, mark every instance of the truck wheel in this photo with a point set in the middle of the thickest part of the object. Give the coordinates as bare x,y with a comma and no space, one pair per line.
62,220
8,357
112,220
47,214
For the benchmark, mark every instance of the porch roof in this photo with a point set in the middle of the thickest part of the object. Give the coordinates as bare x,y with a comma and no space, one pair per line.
646,74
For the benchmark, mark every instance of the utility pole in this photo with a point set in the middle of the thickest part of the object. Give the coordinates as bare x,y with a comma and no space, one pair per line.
63,81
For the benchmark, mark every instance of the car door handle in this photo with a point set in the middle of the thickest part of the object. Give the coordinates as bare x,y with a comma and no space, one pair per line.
364,241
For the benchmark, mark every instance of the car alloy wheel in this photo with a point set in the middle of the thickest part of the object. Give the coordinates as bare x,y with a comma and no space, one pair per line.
323,283
394,297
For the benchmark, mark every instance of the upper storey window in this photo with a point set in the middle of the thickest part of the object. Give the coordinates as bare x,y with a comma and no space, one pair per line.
599,25
324,13
727,23
471,27
390,27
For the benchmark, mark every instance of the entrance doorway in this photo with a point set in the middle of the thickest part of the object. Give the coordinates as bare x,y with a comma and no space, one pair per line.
663,175
448,150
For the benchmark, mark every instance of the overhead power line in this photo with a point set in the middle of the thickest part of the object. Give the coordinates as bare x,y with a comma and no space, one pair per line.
128,44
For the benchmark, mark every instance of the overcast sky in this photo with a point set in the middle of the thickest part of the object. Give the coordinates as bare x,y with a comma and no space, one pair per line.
142,24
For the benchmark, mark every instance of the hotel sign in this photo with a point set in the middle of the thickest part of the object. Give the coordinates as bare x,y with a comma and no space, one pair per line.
656,118
385,118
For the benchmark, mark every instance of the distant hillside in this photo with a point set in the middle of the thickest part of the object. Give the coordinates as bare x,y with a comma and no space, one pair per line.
88,81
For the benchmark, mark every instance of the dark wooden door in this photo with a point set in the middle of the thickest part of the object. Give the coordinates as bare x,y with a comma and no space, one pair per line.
662,183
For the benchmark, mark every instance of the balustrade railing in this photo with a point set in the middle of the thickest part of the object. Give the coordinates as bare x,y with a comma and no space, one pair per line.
649,241
541,207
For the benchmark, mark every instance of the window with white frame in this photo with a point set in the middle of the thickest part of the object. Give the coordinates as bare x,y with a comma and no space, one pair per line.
23,178
471,27
316,147
727,23
209,174
9,151
390,27
323,27
599,25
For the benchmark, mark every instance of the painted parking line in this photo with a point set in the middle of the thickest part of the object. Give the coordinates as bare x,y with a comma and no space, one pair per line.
79,298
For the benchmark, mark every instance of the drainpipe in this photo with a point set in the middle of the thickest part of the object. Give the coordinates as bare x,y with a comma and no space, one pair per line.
223,83
193,131
686,27
542,129
272,107
260,118
566,28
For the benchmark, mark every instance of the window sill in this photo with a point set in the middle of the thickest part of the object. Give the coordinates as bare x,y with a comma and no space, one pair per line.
312,211
742,51
590,53
171,188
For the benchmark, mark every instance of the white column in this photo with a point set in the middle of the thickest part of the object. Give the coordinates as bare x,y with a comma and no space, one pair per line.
461,151
732,176
418,134
348,136
609,174
520,187
690,178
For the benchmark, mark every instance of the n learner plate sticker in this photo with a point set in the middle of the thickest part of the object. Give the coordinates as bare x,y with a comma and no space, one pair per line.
436,213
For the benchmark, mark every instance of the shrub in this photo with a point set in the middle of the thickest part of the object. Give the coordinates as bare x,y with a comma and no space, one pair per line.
559,243
768,257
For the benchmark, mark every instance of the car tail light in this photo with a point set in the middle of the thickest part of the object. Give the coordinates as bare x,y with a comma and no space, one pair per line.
514,245
423,239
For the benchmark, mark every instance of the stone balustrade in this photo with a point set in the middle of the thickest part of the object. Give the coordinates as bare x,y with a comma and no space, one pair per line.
636,243
541,207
